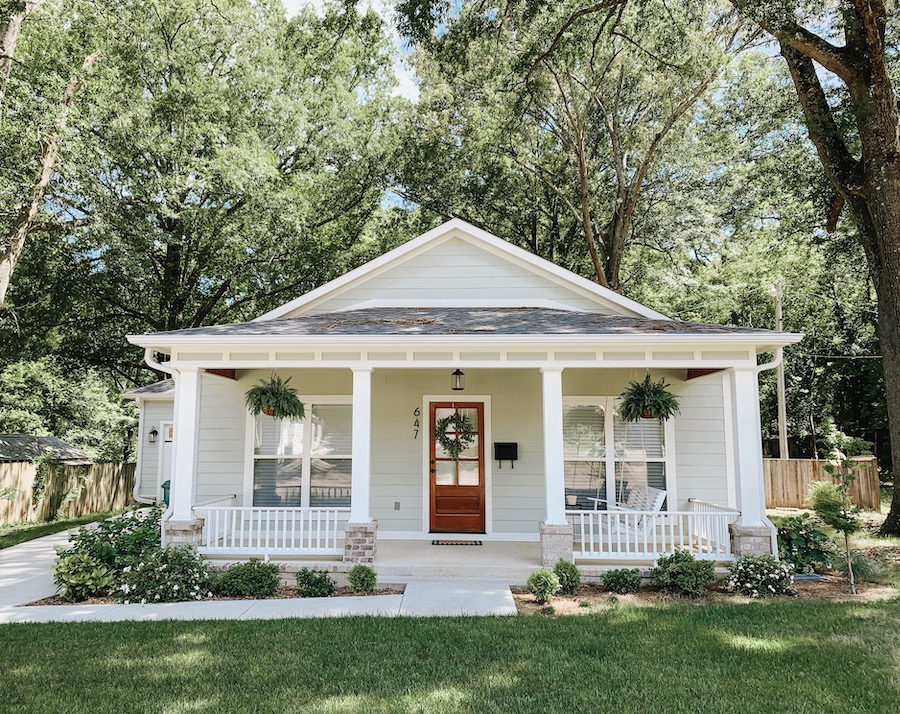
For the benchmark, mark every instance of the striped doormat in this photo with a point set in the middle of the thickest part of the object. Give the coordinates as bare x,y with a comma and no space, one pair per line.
456,542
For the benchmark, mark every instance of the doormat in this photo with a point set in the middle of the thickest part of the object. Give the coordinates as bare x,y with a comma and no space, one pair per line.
456,542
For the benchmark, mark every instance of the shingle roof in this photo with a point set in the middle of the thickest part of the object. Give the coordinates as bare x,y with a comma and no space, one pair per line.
461,321
165,386
24,447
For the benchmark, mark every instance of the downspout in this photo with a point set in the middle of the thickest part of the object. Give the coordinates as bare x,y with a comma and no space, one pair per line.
140,453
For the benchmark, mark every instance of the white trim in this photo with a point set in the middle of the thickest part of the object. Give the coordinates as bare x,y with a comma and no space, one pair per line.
163,425
554,447
151,396
361,444
188,386
458,302
485,399
457,228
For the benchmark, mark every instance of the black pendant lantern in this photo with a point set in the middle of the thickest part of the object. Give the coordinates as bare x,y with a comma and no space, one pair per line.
458,380
151,437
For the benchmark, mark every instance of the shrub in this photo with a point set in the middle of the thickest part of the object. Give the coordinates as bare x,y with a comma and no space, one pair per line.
681,574
314,583
568,575
252,579
362,579
543,584
80,576
760,576
165,575
804,544
864,569
622,580
118,542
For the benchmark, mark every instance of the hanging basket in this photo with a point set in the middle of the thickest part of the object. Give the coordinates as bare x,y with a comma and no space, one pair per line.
462,440
648,400
273,397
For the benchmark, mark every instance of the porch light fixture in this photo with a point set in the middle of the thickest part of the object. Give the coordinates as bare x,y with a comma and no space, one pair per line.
458,380
151,436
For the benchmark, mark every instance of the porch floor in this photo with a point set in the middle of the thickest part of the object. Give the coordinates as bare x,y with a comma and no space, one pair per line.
513,561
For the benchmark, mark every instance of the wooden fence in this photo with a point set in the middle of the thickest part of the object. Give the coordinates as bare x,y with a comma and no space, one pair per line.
68,491
787,482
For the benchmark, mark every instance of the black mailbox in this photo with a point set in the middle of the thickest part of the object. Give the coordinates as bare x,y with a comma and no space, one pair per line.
506,451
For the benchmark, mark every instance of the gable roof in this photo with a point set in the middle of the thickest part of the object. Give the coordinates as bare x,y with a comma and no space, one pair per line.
164,389
25,447
457,228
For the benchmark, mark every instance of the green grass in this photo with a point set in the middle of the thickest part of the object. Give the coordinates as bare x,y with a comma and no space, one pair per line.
763,657
21,532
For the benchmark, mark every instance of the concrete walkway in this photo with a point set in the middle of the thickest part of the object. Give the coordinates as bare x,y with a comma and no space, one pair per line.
25,577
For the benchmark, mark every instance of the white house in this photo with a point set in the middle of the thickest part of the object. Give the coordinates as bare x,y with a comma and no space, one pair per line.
543,354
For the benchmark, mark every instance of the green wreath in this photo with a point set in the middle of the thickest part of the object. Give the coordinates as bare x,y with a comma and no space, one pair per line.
465,434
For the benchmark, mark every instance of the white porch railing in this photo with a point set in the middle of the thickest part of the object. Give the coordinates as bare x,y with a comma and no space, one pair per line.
645,535
272,531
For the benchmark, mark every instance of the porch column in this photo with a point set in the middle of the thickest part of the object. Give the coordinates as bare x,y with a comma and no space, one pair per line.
182,527
554,479
753,532
556,533
360,530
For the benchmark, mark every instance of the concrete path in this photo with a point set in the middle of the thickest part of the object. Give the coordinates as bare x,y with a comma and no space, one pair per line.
25,577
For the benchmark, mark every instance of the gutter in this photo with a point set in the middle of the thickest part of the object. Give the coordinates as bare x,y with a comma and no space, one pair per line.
153,364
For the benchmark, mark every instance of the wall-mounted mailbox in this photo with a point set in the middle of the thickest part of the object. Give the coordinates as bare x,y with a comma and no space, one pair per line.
506,451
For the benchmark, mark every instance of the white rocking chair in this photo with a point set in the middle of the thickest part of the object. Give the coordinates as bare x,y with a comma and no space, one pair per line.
641,500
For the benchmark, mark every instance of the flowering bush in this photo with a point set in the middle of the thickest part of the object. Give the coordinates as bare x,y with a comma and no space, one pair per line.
118,542
760,576
803,543
165,575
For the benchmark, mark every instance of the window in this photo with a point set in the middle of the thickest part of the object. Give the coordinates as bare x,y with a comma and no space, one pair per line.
303,463
593,471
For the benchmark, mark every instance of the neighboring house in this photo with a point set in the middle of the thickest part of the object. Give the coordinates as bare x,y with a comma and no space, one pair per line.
27,448
545,354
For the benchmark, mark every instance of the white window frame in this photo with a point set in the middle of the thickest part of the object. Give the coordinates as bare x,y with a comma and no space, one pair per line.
250,457
610,460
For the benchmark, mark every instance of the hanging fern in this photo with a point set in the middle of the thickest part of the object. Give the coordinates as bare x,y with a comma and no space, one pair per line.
463,439
648,400
275,398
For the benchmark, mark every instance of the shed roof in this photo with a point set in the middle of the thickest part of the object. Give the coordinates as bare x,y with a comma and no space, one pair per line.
164,387
25,447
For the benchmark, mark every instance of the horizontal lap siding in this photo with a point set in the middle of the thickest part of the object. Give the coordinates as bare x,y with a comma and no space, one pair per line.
155,413
457,270
700,453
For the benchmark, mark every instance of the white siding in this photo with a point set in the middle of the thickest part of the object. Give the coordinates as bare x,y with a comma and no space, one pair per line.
155,411
457,270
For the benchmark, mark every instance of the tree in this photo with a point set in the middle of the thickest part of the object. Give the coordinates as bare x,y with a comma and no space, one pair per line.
579,119
858,143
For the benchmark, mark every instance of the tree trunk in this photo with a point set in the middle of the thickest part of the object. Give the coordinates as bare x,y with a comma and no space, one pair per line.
49,158
13,24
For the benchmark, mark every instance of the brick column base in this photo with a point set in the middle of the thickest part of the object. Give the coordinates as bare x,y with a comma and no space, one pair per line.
359,542
750,540
184,532
556,543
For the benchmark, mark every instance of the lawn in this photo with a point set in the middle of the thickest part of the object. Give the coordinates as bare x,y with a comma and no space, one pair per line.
784,656
20,532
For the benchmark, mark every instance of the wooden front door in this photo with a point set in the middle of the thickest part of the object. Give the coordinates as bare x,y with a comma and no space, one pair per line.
457,485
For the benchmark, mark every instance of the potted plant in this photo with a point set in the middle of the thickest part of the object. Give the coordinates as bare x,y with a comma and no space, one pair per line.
273,397
648,400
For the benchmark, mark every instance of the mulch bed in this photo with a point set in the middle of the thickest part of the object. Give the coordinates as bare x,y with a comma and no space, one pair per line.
597,597
283,593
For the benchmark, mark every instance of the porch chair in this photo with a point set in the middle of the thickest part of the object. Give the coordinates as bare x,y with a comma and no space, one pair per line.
640,499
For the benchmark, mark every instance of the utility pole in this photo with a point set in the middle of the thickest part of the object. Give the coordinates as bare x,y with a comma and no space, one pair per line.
783,453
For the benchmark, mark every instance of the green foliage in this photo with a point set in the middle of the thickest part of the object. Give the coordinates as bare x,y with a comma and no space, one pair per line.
42,398
274,397
803,543
682,574
864,569
648,399
568,575
254,579
462,434
314,583
622,580
760,576
362,579
827,500
119,542
173,574
80,576
543,584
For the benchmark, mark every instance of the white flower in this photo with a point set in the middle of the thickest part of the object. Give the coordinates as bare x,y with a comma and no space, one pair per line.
175,588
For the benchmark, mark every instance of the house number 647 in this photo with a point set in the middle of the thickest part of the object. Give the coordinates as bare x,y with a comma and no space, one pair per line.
416,414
